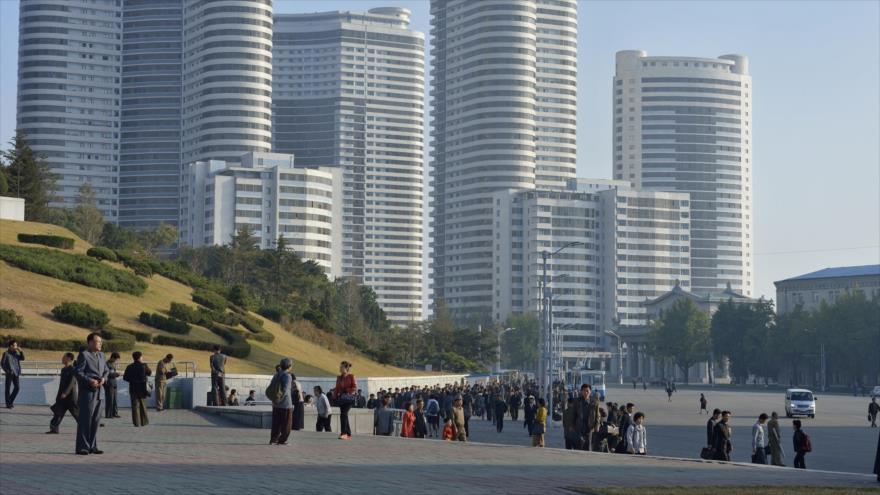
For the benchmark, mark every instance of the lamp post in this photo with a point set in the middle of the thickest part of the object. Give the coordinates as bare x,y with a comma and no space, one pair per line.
498,349
547,352
619,355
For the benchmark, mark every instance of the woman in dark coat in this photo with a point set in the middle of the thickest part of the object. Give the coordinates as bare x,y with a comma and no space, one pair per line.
296,396
137,374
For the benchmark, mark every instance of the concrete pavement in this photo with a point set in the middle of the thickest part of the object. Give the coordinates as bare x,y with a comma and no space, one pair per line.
182,451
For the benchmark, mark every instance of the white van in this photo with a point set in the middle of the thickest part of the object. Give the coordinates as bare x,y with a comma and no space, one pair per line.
800,402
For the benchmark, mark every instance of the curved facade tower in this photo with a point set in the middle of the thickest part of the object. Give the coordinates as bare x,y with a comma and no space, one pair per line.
684,124
504,112
227,78
68,93
149,144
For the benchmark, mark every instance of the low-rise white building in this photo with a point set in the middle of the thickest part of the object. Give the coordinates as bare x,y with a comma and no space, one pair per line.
11,208
266,194
826,285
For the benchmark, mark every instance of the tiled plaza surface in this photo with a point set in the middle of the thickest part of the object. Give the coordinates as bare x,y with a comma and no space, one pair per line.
184,452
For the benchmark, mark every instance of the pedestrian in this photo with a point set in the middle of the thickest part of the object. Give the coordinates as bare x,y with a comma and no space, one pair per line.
624,423
299,409
282,404
458,419
111,408
515,403
232,400
873,410
137,374
539,427
91,375
408,422
569,427
251,399
668,393
163,373
802,445
11,365
710,428
529,412
634,383
644,384
322,404
877,460
65,399
467,406
500,409
361,400
721,438
421,426
218,372
637,436
433,414
346,387
759,440
774,438
448,430
587,418
703,404
383,418
372,402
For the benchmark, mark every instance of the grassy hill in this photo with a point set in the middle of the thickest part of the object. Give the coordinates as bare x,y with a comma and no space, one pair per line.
33,296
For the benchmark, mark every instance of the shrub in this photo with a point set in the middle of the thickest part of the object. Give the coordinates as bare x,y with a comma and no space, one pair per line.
10,319
186,313
172,325
240,296
81,315
209,299
180,273
72,345
75,268
141,265
102,253
318,318
137,334
237,345
116,340
171,340
274,313
47,240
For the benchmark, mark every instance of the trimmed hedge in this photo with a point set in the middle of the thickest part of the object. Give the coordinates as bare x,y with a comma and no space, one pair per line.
137,334
10,319
199,345
180,273
274,313
81,315
172,325
237,343
254,325
140,265
116,340
72,345
185,313
74,268
209,299
55,241
102,253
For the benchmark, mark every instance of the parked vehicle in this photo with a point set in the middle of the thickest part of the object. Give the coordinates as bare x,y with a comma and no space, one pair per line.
876,392
800,402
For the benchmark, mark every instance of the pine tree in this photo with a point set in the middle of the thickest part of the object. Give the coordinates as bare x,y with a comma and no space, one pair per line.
28,176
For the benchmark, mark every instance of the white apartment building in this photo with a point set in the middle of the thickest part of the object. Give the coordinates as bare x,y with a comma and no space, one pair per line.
504,94
68,93
348,91
265,194
683,124
631,246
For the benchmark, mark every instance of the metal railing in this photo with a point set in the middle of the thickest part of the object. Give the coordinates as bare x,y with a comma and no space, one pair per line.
186,369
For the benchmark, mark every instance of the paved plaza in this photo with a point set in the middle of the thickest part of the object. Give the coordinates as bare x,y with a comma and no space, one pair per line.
841,436
184,452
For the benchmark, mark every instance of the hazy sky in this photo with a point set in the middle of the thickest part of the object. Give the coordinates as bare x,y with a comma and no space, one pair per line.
816,108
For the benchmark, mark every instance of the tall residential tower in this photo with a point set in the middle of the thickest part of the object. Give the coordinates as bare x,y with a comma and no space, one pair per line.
348,91
504,93
683,124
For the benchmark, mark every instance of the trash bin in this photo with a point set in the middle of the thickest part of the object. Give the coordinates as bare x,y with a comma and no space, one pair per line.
211,397
174,399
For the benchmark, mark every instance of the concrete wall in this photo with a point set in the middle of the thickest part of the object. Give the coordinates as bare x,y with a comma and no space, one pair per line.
41,390
360,420
11,208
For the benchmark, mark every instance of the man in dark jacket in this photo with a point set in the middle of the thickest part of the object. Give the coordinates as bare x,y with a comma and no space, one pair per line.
111,408
218,371
515,403
500,409
91,374
800,445
65,399
137,374
710,427
624,421
587,419
11,365
529,412
721,438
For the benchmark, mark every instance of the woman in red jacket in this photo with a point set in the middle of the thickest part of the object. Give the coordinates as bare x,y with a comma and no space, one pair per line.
345,394
407,428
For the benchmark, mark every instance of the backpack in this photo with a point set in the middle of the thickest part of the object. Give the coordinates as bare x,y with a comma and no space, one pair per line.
808,445
274,392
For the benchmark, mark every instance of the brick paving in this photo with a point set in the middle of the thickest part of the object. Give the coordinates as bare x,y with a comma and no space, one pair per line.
182,451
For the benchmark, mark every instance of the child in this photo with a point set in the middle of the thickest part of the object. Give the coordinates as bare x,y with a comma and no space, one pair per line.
407,429
449,430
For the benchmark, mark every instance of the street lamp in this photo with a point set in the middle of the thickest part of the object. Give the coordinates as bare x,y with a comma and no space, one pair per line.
498,354
547,352
619,354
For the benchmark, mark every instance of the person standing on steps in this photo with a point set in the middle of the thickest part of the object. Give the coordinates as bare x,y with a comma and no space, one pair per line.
345,394
218,370
137,374
111,408
11,365
91,374
282,406
164,370
65,400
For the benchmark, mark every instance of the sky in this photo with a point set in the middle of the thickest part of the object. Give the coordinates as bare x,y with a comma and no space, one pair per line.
815,69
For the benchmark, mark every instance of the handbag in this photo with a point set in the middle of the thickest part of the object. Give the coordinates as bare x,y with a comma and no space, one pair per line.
537,428
171,374
706,453
348,399
149,387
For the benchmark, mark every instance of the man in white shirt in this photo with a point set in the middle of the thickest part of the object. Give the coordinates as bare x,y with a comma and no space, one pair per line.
759,440
323,406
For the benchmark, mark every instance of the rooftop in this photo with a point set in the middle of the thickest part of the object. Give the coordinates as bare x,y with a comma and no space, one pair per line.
839,272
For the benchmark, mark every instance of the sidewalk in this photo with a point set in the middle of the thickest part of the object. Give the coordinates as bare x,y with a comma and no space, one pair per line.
182,451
